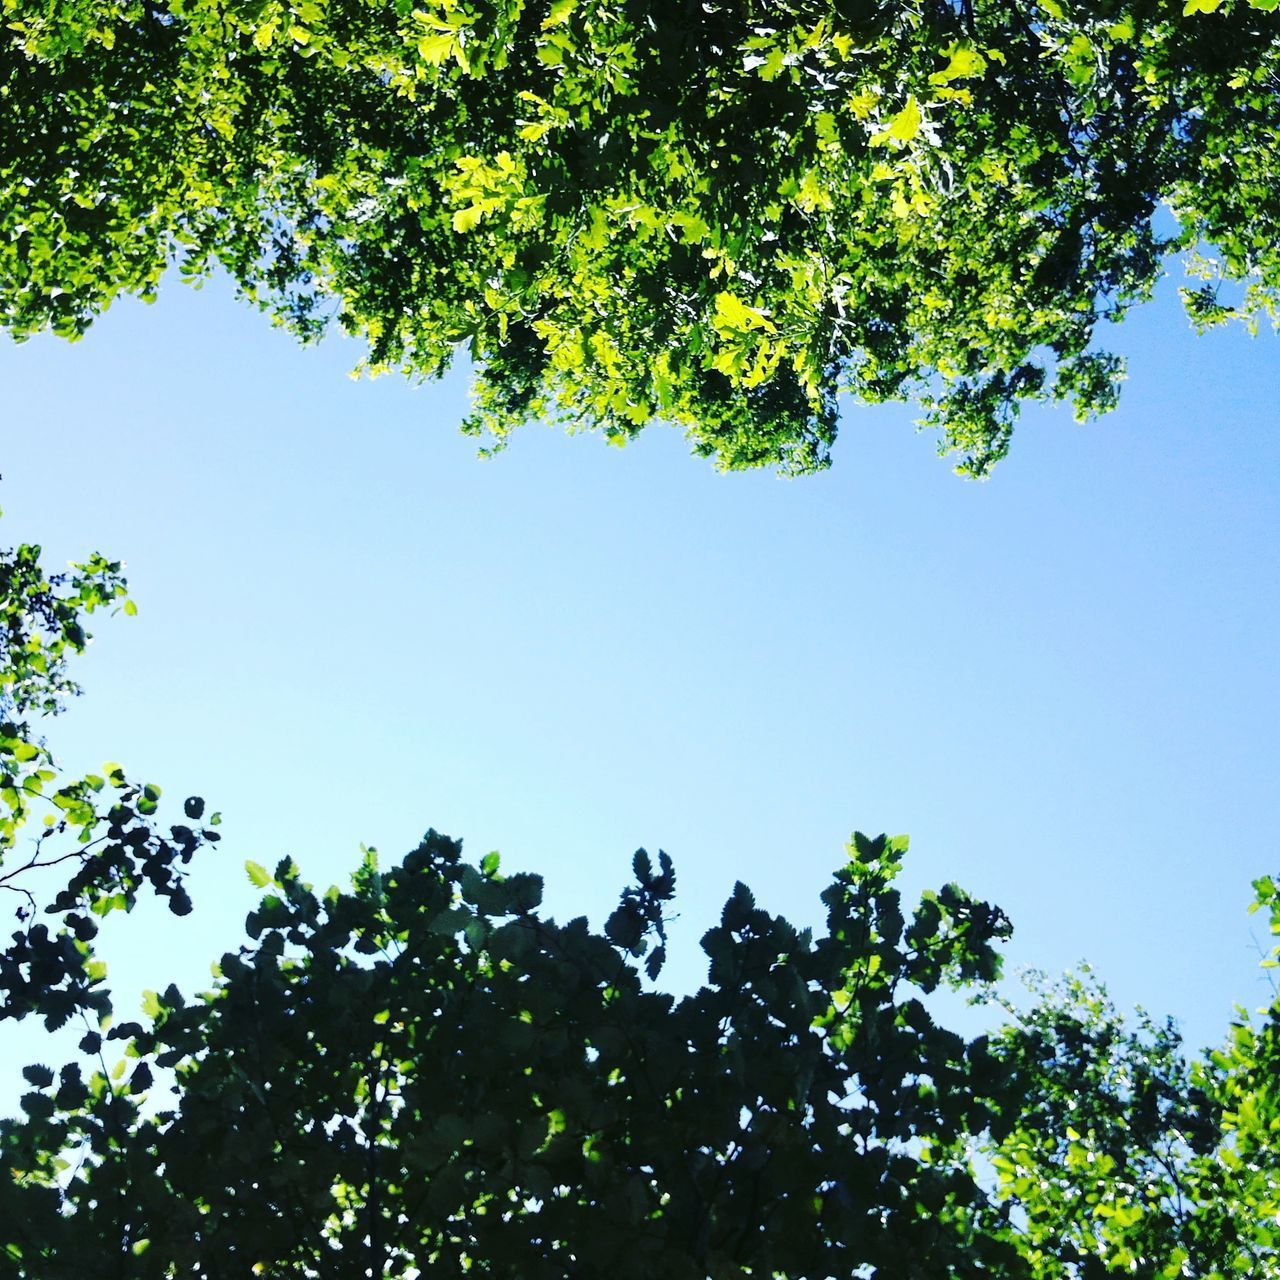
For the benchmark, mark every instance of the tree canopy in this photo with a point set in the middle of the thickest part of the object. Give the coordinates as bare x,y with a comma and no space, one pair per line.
425,1071
1124,1156
717,214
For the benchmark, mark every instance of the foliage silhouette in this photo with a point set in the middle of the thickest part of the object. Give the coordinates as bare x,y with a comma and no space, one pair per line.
424,1071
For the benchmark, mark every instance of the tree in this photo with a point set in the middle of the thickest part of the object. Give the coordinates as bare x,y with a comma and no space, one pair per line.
1126,1159
720,215
90,859
423,1072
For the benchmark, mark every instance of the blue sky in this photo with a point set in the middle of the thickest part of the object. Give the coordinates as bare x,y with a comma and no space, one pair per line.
1063,683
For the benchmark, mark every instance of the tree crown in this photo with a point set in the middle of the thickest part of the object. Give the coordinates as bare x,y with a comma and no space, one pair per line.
718,215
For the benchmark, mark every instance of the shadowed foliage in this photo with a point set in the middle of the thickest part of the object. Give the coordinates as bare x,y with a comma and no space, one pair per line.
423,1071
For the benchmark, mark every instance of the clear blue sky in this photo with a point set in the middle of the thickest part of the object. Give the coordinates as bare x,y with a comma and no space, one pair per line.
1063,683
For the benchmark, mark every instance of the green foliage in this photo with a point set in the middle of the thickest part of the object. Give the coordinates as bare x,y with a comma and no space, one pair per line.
425,1073
720,215
1123,1158
96,843
40,626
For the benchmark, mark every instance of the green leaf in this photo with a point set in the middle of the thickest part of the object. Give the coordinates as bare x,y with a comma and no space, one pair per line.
259,876
964,64
732,313
561,11
906,123
436,49
469,218
39,1076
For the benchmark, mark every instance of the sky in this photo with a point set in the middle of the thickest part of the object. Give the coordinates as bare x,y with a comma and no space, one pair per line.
1062,682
